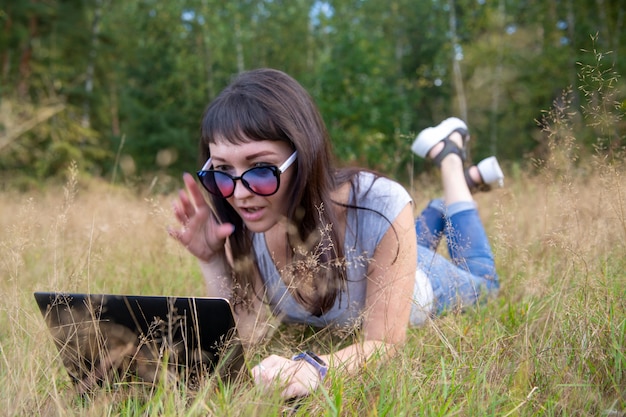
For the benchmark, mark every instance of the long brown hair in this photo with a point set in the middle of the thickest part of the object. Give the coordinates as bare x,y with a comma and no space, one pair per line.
267,104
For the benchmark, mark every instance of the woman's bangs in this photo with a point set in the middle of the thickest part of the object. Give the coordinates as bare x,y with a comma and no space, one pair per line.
238,119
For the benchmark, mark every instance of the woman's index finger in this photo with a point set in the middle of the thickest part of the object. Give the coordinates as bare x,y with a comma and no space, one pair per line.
194,190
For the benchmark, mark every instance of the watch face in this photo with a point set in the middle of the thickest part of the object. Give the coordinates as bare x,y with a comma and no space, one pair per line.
316,358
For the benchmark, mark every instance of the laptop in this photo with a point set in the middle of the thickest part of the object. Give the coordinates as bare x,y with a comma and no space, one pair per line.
108,339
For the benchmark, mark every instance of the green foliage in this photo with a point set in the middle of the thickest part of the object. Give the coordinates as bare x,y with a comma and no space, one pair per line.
136,75
602,108
367,100
46,150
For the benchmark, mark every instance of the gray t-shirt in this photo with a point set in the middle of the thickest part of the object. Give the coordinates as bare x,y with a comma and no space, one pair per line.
365,228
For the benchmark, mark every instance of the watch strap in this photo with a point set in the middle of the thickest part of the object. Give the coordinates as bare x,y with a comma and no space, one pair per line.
313,359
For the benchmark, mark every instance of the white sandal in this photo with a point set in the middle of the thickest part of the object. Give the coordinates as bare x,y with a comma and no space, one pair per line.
431,136
490,173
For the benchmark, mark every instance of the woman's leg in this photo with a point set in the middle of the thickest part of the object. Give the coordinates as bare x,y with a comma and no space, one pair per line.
430,224
471,274
453,287
468,244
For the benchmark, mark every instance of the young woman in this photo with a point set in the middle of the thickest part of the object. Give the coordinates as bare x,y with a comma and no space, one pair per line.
288,234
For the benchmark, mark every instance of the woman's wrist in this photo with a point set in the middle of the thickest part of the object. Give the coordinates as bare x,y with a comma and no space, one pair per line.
217,259
216,276
315,361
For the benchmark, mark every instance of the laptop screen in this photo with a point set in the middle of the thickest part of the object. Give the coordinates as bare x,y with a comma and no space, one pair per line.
106,338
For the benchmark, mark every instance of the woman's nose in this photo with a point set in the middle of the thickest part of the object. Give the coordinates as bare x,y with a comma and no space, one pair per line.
241,191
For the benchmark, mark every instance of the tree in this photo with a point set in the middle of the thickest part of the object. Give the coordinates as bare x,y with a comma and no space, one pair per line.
39,54
92,79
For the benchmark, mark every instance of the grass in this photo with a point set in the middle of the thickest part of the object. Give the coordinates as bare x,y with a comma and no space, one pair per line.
552,343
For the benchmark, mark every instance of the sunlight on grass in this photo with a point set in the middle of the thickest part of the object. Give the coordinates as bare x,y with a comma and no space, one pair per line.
552,343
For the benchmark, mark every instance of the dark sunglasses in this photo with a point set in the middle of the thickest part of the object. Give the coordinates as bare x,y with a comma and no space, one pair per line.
262,180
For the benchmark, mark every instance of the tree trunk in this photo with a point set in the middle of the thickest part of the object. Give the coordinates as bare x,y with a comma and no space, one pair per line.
115,109
6,54
91,64
23,84
238,43
573,67
497,82
605,36
457,77
206,47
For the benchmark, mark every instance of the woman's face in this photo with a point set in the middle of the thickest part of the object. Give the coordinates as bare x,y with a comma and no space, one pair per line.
259,213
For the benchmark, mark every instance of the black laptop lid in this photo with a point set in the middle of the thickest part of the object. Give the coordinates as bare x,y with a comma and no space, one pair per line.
111,338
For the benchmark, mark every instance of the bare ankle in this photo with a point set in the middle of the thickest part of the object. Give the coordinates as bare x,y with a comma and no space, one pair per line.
435,150
474,174
457,138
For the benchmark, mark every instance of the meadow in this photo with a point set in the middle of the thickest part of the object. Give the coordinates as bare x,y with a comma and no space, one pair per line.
552,343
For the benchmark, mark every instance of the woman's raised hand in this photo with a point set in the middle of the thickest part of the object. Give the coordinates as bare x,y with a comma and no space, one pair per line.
201,234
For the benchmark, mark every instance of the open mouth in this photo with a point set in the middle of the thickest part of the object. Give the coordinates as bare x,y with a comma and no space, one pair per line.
251,214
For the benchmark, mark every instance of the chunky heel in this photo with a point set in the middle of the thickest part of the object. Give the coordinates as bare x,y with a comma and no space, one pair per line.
490,173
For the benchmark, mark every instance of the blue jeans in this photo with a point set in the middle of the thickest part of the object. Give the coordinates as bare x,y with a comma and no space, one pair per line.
470,274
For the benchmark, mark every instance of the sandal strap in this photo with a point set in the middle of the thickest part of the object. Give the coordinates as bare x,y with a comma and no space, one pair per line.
473,187
448,148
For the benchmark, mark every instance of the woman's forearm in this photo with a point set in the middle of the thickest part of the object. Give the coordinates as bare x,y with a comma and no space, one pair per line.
253,319
352,358
217,278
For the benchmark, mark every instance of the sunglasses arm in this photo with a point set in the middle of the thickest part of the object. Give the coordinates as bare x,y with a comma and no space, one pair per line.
207,165
287,163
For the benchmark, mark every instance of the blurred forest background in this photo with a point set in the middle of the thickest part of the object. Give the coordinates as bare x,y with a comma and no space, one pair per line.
120,86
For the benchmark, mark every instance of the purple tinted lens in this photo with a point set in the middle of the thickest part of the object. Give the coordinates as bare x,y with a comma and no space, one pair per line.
224,184
261,180
207,178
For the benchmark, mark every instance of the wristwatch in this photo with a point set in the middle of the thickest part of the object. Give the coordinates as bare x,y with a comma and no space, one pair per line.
313,359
